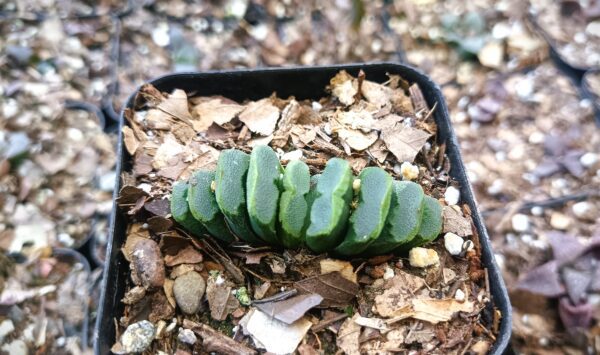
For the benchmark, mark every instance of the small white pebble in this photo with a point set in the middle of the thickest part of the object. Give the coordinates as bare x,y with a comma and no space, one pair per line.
409,171
560,221
537,211
453,243
389,273
171,326
187,336
588,159
452,195
356,185
584,210
520,222
536,138
496,187
423,257
459,295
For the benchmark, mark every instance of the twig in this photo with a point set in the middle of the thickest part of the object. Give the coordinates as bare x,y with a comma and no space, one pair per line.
430,111
325,323
213,341
441,156
277,297
486,331
235,272
318,340
264,278
464,350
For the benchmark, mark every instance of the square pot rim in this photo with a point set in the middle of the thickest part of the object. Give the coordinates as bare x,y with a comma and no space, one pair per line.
499,293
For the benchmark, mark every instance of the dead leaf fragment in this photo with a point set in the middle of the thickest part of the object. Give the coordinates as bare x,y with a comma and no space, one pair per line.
348,336
260,116
397,291
217,342
275,336
131,143
333,287
356,139
435,311
344,87
215,109
404,141
455,222
176,105
291,309
344,267
221,300
375,323
168,150
188,255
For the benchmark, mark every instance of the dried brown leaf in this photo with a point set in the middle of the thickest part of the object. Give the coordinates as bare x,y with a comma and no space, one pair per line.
129,195
168,289
333,287
403,141
167,151
188,255
291,309
221,300
159,224
344,87
455,222
260,116
344,268
131,143
215,109
158,207
435,311
348,336
158,120
397,293
379,151
176,105
356,139
214,341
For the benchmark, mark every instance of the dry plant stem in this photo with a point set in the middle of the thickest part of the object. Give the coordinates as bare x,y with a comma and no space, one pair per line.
278,297
213,341
464,350
324,324
233,270
486,331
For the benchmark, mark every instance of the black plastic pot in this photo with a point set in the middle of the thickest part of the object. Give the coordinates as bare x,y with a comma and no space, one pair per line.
303,83
73,257
588,93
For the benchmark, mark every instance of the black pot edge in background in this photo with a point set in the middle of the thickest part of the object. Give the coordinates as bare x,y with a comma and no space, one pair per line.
573,71
589,94
303,83
78,257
